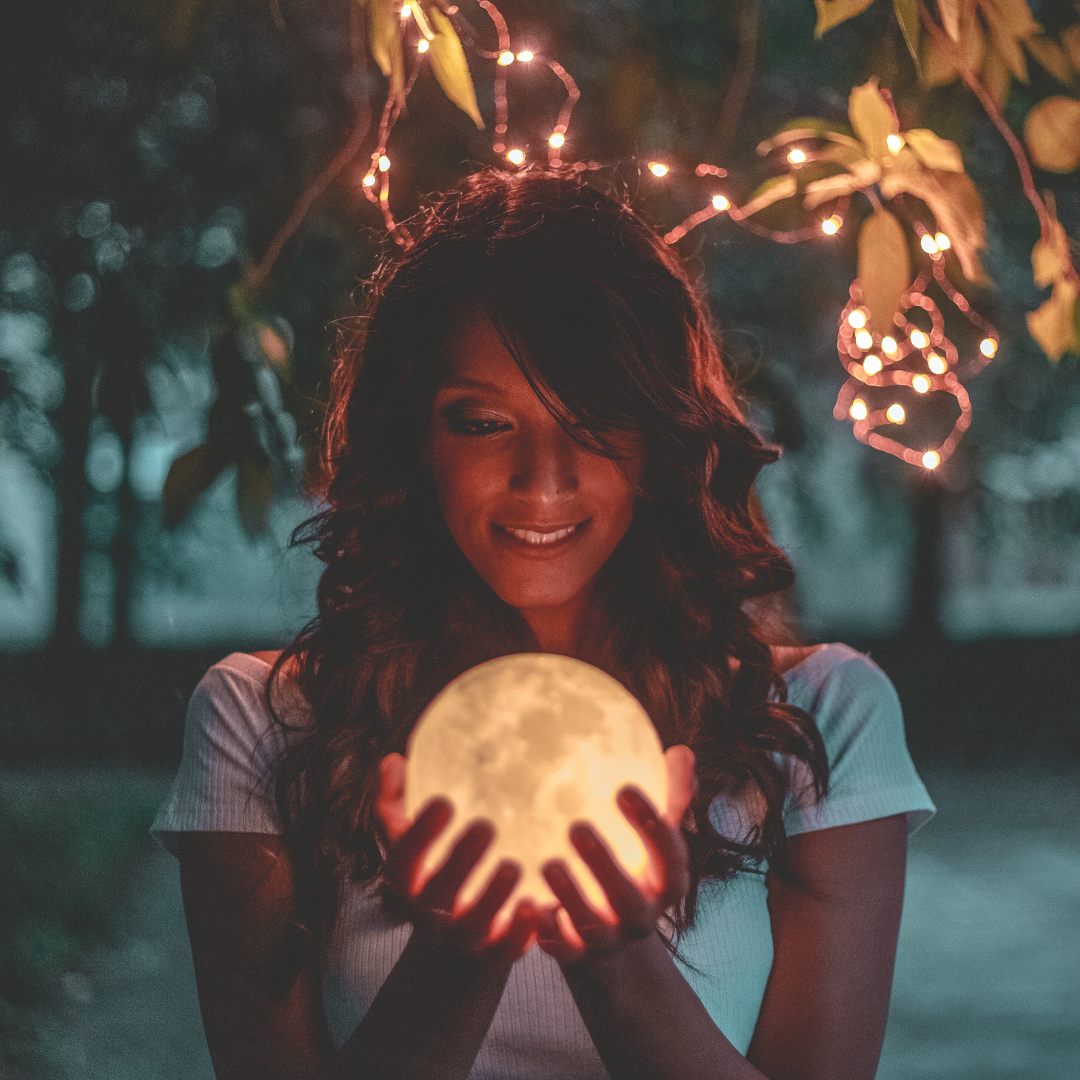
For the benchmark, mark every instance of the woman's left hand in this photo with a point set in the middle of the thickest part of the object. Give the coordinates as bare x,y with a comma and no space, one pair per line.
636,907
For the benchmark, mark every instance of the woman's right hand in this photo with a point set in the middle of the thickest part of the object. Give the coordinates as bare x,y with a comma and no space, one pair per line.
432,904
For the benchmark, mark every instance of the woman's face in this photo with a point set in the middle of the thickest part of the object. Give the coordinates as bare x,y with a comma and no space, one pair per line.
535,513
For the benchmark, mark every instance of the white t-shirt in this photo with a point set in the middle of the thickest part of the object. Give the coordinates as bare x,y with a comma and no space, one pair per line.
225,784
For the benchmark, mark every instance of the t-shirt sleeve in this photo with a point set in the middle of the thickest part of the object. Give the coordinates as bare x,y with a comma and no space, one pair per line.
231,748
871,773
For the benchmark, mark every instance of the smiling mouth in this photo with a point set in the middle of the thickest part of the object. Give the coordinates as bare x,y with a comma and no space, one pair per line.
537,538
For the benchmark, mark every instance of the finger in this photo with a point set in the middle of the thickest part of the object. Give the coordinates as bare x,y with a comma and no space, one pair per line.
523,929
682,782
405,856
626,899
665,843
390,801
586,920
441,889
495,894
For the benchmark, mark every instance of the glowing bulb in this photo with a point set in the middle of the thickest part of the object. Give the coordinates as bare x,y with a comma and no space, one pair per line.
796,156
405,12
872,364
423,45
856,319
535,742
929,244
384,163
557,139
515,157
931,459
525,56
864,339
937,364
369,180
920,384
506,59
831,226
858,410
943,241
919,339
720,202
895,413
658,168
888,345
894,143
988,346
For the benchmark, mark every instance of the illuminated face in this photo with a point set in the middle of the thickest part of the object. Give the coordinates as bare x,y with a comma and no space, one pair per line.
535,513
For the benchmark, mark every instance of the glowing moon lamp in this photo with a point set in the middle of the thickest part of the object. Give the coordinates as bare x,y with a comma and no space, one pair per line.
534,742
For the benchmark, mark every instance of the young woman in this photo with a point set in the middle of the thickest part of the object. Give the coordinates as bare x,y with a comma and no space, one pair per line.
532,445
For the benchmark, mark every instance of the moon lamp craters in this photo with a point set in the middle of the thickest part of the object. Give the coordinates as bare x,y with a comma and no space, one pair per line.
535,742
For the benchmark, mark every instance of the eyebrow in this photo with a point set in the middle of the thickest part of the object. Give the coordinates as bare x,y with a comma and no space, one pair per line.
458,382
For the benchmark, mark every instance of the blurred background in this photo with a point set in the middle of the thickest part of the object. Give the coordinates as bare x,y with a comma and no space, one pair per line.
154,149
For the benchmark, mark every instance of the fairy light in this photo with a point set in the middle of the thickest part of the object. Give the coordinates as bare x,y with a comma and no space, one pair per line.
720,202
384,163
918,339
796,156
942,241
423,45
931,459
658,168
525,55
988,347
929,244
889,346
895,413
856,319
864,339
937,364
920,384
516,157
406,11
831,225
557,140
858,410
369,180
506,58
894,143
871,364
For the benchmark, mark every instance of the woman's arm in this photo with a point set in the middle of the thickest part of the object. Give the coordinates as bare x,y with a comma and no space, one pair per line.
825,1006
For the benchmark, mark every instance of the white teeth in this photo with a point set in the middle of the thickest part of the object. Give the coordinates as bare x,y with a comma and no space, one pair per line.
531,537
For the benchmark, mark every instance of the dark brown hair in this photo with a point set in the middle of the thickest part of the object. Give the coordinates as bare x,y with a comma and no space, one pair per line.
607,327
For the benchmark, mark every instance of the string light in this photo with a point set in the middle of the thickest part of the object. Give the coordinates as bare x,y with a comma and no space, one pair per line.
988,347
937,364
423,45
895,143
506,58
856,319
720,202
918,339
858,410
942,241
557,140
406,11
864,339
931,459
369,180
920,384
796,156
888,345
525,56
929,244
871,364
895,413
658,168
516,157
831,225
384,163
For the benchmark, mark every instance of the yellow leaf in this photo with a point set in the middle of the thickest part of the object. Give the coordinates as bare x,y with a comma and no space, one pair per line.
933,152
781,187
1053,325
383,19
831,13
995,76
907,15
451,68
939,63
1070,42
421,19
951,16
1050,258
1008,27
872,117
1052,57
884,268
1052,134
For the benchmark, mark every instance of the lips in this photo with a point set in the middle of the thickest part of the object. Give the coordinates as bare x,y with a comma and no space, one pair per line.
539,540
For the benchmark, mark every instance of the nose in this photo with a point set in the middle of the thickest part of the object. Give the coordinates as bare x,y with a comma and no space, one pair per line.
545,465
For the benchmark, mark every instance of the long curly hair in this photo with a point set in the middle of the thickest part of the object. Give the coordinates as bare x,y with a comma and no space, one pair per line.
611,333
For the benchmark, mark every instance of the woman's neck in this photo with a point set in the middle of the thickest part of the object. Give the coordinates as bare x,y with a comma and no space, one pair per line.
561,628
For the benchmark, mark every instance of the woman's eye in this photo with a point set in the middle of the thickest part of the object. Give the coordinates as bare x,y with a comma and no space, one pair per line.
475,426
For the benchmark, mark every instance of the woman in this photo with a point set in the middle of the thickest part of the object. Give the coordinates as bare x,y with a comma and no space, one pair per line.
532,445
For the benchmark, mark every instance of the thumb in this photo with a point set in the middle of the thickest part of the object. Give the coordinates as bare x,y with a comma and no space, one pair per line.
682,782
390,801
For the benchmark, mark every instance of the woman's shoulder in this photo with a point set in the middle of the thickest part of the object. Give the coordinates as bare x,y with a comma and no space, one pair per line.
234,691
836,671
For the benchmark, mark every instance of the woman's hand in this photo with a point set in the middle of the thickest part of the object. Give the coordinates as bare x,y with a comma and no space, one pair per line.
432,904
636,908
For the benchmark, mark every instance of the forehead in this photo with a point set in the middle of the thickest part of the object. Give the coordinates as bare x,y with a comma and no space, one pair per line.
476,353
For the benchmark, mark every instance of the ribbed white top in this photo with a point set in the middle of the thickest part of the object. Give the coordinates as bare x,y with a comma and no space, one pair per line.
225,784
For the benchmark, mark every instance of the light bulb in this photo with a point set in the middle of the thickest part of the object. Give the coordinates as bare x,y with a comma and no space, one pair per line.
929,244
856,319
858,410
894,143
864,339
658,168
920,384
937,364
831,226
872,364
988,346
384,163
942,241
506,59
423,45
895,413
369,180
919,339
515,157
888,345
796,156
931,459
405,12
525,56
720,202
557,139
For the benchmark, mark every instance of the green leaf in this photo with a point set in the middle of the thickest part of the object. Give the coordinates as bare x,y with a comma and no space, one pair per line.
907,15
832,13
884,268
451,68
